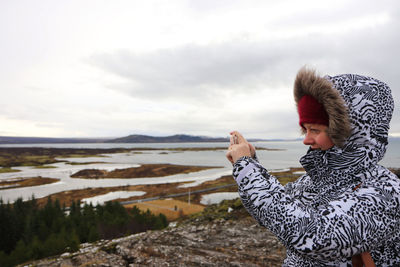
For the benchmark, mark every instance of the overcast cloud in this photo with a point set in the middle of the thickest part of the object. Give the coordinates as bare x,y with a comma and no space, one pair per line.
100,68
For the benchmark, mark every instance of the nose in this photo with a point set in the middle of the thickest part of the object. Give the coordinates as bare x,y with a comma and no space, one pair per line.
308,140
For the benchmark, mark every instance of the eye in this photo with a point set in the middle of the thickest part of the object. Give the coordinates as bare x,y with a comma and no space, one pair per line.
316,131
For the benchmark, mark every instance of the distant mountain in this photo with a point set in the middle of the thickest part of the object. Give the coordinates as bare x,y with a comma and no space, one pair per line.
45,140
135,138
178,138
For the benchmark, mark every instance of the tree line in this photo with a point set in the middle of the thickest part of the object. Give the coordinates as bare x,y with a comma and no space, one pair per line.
31,232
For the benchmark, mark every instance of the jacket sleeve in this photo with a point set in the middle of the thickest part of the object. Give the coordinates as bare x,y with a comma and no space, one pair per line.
353,223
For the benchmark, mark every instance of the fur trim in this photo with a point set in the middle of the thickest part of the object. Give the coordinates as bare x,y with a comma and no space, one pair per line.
309,83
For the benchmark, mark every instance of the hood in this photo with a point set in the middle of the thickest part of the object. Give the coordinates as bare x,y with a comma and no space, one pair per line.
359,108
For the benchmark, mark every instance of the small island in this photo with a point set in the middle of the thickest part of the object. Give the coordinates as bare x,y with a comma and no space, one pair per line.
144,171
25,182
39,156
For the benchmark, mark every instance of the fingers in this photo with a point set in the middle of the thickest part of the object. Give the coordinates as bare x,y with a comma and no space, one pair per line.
252,150
235,139
232,140
239,137
238,147
229,155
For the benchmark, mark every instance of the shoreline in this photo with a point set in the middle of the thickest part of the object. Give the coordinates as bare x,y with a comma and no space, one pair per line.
20,182
162,190
152,190
39,156
143,171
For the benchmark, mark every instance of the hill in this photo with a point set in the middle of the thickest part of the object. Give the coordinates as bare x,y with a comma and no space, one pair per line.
134,138
221,235
47,140
178,138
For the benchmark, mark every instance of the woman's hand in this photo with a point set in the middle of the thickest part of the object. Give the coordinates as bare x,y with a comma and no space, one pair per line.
239,147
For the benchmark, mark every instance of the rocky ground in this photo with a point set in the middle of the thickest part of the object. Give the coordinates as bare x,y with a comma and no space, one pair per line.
214,238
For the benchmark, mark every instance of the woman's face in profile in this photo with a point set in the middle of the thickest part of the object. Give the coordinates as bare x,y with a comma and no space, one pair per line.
316,136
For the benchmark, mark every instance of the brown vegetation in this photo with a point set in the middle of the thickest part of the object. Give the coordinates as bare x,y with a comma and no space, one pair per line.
24,182
395,171
144,171
285,177
5,170
155,190
152,190
172,209
34,156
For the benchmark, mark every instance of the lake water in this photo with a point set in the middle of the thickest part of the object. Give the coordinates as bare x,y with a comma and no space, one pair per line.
272,160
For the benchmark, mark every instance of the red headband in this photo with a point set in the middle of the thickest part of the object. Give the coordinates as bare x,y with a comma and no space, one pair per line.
311,111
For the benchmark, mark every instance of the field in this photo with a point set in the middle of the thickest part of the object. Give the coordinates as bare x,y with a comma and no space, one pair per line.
172,209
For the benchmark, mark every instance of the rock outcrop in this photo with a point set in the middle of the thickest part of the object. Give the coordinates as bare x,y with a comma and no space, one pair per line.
233,240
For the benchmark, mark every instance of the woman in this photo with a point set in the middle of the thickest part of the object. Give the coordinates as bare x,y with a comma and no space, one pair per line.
346,204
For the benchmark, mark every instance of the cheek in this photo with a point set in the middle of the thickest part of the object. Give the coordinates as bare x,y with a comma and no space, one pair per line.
325,142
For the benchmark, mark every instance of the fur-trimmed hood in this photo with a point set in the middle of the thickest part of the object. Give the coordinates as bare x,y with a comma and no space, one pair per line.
359,108
309,83
345,203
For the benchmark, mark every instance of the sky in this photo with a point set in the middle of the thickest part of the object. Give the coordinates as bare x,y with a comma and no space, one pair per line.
200,67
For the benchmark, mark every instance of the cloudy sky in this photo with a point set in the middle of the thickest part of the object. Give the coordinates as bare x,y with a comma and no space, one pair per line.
202,67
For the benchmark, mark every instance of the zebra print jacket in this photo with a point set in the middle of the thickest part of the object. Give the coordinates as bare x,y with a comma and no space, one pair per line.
346,203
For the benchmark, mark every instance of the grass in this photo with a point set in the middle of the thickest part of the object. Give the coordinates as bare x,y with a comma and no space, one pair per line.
86,163
25,182
45,167
145,170
162,190
219,211
5,170
37,156
285,177
172,209
82,156
10,160
152,190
